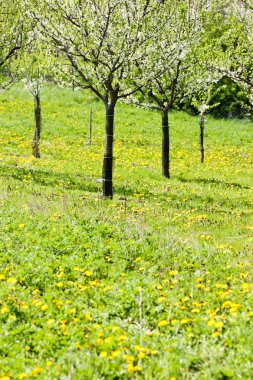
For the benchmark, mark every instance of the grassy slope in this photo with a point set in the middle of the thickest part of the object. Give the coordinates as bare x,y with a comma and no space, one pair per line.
155,284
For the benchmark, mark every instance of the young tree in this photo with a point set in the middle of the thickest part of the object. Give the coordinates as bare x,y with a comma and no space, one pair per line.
105,43
178,46
201,101
34,78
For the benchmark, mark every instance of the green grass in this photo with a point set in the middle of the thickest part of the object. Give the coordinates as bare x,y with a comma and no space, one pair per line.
156,284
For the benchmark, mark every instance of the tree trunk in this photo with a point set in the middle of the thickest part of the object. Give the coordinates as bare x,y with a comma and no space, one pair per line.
108,153
90,127
201,138
37,113
165,144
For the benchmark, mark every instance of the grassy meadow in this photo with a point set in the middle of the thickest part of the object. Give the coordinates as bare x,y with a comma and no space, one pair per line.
155,284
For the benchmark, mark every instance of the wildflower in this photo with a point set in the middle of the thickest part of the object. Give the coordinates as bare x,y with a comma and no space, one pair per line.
211,323
115,354
219,325
4,309
163,323
22,376
128,358
122,337
97,326
12,280
221,286
131,368
184,321
141,355
173,272
36,371
137,259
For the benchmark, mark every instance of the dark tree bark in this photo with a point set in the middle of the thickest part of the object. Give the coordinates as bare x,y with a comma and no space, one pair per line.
90,127
38,120
201,138
165,143
108,153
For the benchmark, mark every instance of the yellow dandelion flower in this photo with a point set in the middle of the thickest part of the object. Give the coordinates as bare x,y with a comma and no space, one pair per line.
115,354
36,371
97,326
141,355
219,325
4,309
12,280
173,272
122,337
184,321
163,323
128,358
211,323
131,368
23,376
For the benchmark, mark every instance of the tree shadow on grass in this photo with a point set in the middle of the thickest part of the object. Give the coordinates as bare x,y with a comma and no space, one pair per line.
65,181
213,181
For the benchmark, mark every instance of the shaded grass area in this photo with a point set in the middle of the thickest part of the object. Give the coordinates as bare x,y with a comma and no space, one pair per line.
154,284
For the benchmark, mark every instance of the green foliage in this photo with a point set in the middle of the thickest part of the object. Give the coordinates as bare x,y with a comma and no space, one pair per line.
227,99
154,284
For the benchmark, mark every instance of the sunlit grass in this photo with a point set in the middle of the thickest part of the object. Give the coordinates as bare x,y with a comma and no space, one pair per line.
154,284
